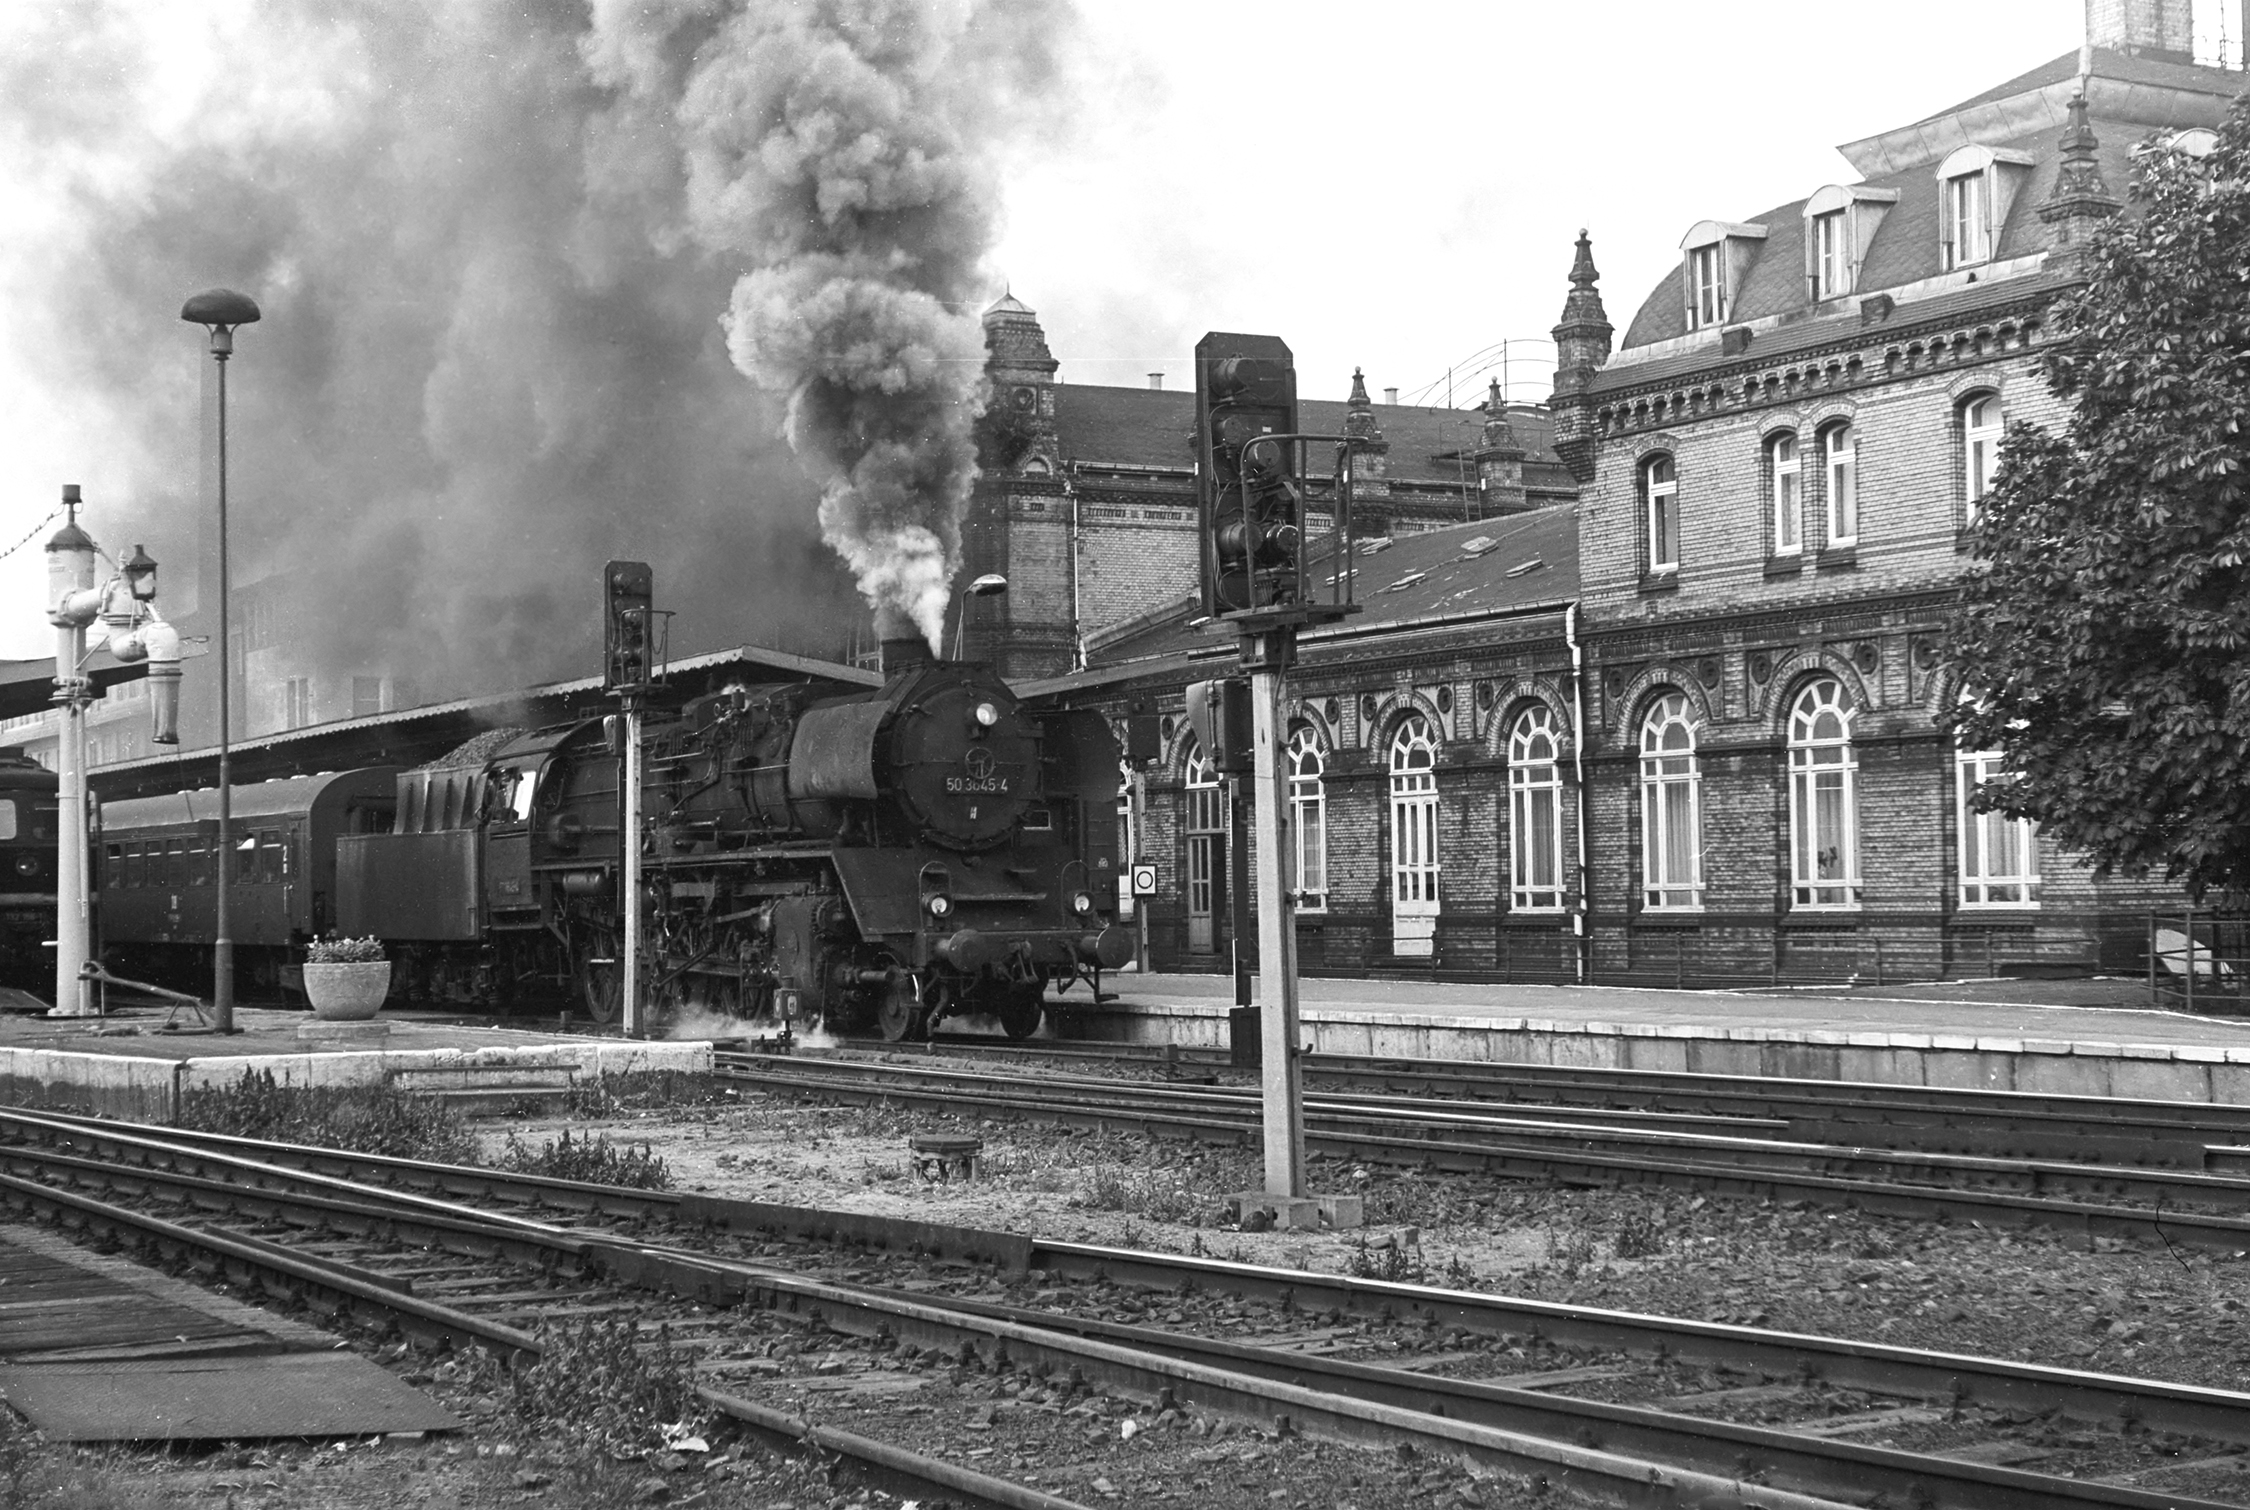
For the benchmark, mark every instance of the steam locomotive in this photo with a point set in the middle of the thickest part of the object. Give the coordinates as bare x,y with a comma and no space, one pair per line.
27,873
878,859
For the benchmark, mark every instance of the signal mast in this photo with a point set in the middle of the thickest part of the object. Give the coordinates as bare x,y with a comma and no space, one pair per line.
1252,529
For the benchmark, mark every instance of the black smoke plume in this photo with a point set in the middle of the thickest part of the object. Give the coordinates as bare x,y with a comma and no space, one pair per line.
514,261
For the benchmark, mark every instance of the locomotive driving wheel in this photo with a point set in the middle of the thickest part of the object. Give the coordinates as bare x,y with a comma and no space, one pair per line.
599,976
902,1014
1022,1007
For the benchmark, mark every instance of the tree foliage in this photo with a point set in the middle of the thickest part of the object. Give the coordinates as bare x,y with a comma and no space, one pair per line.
2100,635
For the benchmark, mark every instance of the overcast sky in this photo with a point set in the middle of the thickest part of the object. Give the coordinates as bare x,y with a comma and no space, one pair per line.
1390,186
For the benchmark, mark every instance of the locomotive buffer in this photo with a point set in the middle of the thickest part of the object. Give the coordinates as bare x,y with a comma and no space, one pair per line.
1253,527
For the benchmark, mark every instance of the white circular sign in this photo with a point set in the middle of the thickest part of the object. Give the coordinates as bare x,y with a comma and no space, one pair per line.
1144,880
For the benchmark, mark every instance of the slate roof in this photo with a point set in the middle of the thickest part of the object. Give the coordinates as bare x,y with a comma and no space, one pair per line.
1460,572
2134,93
1152,427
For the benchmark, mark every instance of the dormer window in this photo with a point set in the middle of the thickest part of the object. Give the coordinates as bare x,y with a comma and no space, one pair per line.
1707,286
1832,268
1840,222
1978,185
1968,221
1714,258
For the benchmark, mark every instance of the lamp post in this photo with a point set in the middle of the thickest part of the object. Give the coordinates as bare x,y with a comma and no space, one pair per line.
126,605
990,585
221,310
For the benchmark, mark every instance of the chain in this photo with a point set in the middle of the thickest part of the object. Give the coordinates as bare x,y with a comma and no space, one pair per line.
27,539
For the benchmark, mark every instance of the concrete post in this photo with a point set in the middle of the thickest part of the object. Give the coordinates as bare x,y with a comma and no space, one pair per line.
1281,1076
629,886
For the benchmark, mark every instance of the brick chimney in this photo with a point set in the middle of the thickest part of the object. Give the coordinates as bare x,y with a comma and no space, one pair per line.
2162,29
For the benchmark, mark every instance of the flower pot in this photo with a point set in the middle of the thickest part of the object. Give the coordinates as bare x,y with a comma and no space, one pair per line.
347,993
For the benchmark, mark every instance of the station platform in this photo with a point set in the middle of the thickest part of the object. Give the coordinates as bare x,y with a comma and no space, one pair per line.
129,1065
2054,1037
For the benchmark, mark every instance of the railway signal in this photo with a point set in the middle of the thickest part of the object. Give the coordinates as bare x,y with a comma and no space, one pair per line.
628,601
1249,504
1250,469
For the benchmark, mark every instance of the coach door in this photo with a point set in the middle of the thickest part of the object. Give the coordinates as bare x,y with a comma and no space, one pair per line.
1414,851
1206,852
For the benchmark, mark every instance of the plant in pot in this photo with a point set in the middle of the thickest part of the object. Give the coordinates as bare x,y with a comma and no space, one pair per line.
346,979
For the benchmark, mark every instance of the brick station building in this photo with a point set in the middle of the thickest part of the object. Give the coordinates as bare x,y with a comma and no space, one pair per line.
1723,672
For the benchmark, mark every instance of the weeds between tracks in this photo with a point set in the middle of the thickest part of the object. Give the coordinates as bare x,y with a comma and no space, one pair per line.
594,1160
374,1119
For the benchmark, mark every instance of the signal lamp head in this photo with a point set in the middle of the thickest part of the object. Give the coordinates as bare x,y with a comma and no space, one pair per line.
940,905
987,715
1082,903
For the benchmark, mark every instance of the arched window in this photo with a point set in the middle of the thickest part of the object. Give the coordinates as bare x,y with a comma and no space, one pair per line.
1788,495
1206,830
1660,485
1308,818
1824,841
1671,807
1839,455
1980,449
1414,838
1535,812
1999,854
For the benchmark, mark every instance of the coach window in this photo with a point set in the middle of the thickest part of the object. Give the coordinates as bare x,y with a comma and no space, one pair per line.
1980,450
1535,811
1787,473
1414,838
1308,817
7,819
1999,854
1823,820
1660,489
1671,808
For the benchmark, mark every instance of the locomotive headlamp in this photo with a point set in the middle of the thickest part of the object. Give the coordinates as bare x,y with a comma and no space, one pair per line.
26,864
1082,903
987,715
940,905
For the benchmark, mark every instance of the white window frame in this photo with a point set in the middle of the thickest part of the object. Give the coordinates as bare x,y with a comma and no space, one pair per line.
1128,840
1982,423
1707,285
1660,485
1308,818
1839,457
1415,868
1786,458
1671,776
1821,762
1985,887
1832,254
1204,825
1968,219
1535,801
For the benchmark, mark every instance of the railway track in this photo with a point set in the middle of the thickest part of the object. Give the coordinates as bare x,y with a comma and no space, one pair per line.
1935,1119
2159,1203
1337,1358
